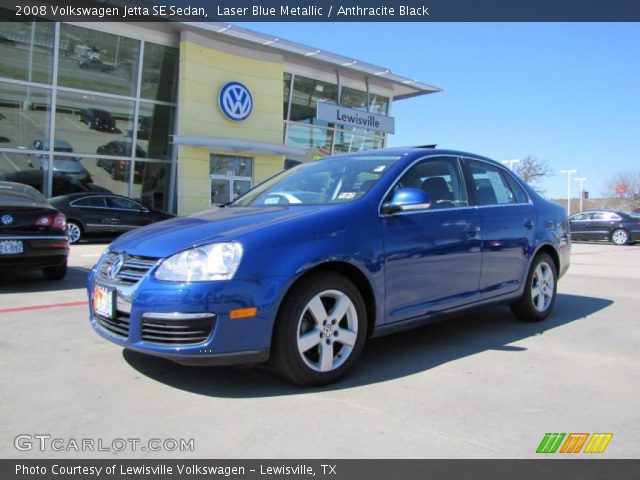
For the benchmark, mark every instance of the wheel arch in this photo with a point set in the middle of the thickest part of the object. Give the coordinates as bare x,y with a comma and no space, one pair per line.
549,250
347,270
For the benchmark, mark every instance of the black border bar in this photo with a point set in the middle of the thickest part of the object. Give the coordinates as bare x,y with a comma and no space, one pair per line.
543,469
324,10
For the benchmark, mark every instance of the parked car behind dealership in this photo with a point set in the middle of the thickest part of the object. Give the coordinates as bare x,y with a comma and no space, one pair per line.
32,232
618,227
308,265
99,214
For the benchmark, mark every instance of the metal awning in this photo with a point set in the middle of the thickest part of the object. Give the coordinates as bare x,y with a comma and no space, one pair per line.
237,145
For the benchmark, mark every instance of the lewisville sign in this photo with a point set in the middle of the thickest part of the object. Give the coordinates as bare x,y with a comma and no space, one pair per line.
330,112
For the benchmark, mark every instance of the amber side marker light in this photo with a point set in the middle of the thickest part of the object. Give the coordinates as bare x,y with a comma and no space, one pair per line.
243,313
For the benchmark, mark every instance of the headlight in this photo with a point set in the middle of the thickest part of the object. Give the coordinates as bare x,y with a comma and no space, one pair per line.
216,261
102,258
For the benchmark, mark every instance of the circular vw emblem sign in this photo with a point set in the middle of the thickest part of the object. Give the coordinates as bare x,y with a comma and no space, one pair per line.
235,101
116,265
7,219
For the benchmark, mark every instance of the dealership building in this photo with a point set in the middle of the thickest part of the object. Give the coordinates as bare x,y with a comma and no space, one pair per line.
179,115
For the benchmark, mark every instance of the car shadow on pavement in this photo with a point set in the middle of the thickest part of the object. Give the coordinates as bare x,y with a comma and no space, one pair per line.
32,281
385,358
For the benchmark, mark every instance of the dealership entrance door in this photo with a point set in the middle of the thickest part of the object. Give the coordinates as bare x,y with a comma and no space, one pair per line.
231,176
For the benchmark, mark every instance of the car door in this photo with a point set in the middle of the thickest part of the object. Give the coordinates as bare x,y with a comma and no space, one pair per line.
94,214
507,219
600,225
432,256
130,214
578,226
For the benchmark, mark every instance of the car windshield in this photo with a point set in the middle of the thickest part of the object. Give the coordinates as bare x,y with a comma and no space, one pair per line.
330,181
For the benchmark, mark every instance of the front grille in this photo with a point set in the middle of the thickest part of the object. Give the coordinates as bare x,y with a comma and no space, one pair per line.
118,326
132,270
176,332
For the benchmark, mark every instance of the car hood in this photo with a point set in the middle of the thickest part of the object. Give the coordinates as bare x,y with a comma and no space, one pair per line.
219,224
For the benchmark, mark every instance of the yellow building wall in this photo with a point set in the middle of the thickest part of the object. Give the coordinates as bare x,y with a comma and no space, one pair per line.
203,71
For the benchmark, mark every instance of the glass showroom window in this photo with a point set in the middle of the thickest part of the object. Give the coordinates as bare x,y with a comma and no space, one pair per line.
155,124
159,72
24,115
316,139
231,176
98,61
286,92
26,51
151,184
306,94
350,142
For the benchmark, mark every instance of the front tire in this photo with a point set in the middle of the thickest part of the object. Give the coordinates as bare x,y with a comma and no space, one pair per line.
540,291
75,232
320,331
620,237
55,273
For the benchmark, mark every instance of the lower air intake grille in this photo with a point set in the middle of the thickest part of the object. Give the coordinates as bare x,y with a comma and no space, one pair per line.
117,326
176,332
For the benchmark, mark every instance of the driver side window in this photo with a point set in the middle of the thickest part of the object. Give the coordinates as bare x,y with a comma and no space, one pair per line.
440,178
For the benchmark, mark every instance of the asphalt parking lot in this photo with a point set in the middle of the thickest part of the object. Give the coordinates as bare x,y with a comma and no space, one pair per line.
479,386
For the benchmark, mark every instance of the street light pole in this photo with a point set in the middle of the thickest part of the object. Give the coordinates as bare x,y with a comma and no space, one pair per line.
510,163
581,180
569,173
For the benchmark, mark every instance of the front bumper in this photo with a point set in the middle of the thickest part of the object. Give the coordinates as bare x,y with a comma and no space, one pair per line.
148,314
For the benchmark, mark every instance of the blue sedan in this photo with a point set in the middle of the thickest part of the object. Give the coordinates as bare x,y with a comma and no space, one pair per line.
304,268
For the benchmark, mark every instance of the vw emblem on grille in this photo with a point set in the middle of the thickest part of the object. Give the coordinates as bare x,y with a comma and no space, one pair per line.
235,101
116,265
7,219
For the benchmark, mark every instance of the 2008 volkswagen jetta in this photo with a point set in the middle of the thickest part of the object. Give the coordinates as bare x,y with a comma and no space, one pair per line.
304,268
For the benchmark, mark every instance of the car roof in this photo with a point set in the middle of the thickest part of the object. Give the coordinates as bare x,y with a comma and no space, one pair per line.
420,150
75,196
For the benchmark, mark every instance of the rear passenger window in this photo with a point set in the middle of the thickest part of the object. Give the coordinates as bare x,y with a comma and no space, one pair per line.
493,187
90,202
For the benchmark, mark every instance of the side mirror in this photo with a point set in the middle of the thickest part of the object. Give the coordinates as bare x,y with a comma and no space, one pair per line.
407,200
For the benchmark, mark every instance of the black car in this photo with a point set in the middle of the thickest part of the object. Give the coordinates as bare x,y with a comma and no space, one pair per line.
62,183
620,228
32,232
98,119
90,214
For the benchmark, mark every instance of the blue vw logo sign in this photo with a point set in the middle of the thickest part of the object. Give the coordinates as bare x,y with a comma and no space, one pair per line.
7,219
235,101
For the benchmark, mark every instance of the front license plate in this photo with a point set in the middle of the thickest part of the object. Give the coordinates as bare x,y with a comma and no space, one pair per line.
11,247
104,302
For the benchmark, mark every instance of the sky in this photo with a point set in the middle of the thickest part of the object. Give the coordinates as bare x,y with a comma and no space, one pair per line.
567,93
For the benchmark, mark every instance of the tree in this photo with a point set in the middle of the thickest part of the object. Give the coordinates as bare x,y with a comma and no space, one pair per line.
532,170
623,187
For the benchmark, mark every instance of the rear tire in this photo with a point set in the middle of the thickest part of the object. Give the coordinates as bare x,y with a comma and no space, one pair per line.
320,331
55,273
75,232
620,237
540,291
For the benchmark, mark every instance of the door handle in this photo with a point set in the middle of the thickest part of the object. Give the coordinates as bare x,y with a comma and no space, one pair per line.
528,223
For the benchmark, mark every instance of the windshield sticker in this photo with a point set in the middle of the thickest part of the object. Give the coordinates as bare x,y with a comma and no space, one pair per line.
380,169
347,195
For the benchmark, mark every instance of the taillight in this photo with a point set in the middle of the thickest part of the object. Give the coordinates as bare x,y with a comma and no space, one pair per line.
57,221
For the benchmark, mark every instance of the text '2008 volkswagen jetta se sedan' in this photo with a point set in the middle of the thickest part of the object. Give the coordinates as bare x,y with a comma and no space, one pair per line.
305,267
